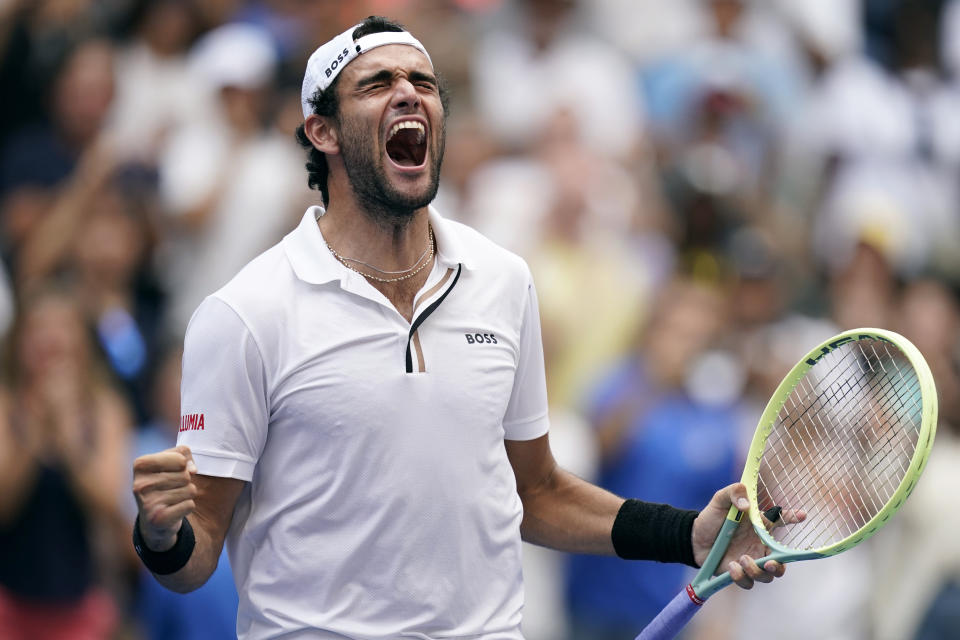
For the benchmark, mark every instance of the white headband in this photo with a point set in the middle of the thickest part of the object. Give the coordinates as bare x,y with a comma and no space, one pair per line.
330,59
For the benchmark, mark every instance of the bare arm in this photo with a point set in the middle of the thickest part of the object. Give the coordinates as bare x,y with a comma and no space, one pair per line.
567,513
18,462
560,510
167,489
97,475
50,242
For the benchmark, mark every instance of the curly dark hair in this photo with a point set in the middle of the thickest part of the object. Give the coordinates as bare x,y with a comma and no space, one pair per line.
326,103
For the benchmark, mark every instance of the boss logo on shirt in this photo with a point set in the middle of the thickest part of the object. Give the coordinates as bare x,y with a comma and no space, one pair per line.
480,338
191,422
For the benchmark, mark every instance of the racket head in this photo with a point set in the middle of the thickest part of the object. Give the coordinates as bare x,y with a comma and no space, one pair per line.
868,388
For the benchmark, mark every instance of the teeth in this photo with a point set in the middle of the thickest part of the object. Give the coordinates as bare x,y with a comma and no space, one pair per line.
409,124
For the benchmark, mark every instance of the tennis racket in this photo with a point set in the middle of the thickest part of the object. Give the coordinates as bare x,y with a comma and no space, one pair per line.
844,439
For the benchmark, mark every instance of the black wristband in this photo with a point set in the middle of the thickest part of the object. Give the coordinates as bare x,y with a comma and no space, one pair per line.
173,559
649,531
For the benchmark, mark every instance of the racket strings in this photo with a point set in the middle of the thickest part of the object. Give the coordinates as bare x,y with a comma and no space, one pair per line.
830,455
859,510
887,385
817,433
842,442
809,408
819,417
841,503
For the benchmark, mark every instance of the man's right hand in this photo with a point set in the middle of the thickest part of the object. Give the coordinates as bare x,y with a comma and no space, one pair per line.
163,484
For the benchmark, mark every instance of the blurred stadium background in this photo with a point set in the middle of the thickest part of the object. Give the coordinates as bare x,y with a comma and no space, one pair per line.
702,188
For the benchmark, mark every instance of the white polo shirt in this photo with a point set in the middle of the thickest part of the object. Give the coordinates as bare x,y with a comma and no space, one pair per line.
380,502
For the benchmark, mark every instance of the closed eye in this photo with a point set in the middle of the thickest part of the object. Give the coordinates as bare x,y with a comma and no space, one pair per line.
384,79
423,80
378,80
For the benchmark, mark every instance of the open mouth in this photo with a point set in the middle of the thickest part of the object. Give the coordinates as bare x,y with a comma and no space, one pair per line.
407,143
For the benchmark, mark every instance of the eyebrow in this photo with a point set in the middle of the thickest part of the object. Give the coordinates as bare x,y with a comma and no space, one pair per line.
386,75
420,76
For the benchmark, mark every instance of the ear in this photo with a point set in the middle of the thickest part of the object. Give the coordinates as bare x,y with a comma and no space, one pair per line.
321,132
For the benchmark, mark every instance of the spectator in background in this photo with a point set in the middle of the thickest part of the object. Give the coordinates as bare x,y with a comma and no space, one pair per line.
35,37
828,600
733,74
156,91
44,165
646,29
864,291
926,608
101,241
716,109
929,315
229,184
667,421
581,262
768,333
210,612
538,58
884,128
63,437
111,255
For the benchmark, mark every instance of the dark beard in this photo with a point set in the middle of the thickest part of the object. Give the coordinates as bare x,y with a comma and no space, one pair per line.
384,204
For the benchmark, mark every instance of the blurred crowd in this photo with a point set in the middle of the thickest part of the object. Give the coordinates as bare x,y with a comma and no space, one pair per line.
702,188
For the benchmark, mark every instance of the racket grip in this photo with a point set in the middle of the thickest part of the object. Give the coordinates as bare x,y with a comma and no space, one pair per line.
673,617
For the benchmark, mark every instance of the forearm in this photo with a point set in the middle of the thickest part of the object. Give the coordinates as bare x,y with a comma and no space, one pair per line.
18,466
18,472
202,563
50,242
568,513
54,236
98,473
167,488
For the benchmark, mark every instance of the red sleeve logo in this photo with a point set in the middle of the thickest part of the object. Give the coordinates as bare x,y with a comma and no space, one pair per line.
191,422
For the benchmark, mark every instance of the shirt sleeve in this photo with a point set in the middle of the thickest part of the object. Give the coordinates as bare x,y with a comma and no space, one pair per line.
223,393
527,416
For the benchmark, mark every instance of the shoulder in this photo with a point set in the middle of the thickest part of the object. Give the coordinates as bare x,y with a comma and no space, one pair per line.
262,280
485,257
253,295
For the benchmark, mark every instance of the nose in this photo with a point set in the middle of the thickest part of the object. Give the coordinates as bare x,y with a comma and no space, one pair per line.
405,95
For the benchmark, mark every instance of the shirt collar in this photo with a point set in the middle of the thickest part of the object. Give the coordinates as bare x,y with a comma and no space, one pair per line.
308,253
450,249
313,263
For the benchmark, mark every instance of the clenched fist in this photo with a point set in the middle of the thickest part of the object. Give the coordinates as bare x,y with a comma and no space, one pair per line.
163,484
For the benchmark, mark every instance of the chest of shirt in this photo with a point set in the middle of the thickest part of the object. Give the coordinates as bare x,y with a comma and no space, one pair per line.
345,363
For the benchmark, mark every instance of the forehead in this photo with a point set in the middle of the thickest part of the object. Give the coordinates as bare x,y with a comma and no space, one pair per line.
398,58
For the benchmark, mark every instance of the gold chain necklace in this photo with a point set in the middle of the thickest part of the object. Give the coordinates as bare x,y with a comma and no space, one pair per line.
408,273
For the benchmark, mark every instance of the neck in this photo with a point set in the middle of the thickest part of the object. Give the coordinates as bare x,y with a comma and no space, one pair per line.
354,233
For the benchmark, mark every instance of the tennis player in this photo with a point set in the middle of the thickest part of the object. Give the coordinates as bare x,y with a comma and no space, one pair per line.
364,406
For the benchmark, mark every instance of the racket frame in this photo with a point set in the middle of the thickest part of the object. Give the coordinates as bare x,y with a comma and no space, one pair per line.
705,583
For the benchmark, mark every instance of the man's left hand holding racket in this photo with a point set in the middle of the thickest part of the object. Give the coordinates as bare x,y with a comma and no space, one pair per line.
745,545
